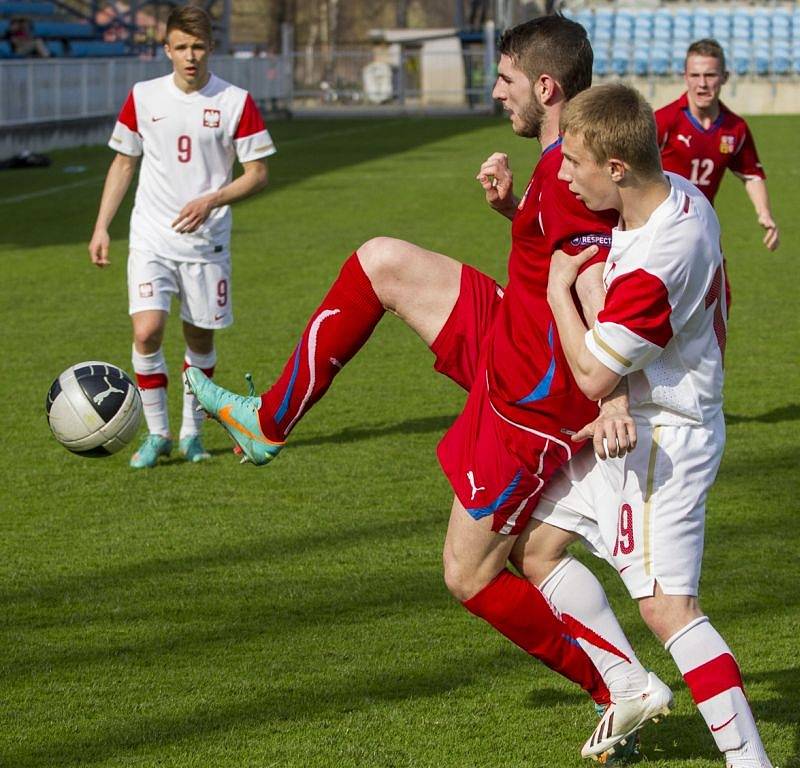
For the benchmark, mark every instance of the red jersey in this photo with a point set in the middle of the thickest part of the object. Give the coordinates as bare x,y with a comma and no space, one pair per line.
528,376
702,155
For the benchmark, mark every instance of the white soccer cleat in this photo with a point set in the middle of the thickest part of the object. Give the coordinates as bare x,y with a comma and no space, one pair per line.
624,717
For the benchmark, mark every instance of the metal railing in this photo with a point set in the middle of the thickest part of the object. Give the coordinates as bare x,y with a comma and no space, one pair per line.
35,91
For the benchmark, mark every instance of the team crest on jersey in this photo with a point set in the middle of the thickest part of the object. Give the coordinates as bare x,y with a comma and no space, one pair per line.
584,241
145,290
211,118
727,144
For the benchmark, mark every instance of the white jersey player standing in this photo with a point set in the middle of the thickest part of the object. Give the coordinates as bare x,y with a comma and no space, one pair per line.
662,328
189,127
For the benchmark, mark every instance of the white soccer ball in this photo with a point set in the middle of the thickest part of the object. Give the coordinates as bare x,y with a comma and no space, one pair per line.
94,409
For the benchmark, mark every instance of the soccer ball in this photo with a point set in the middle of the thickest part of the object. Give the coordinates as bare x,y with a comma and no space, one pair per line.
94,409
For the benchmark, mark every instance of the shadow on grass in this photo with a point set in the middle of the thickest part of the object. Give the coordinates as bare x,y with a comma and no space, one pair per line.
355,434
775,416
306,149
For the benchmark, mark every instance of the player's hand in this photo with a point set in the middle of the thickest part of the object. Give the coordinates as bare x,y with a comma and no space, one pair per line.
193,214
564,267
498,182
771,236
98,248
613,432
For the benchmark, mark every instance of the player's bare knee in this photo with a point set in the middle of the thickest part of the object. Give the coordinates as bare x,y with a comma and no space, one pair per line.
383,261
460,582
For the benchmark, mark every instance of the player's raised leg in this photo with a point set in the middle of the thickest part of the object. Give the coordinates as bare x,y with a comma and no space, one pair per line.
150,369
711,673
419,286
200,353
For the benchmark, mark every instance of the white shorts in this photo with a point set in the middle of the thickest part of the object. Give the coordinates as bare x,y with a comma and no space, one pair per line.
204,288
645,512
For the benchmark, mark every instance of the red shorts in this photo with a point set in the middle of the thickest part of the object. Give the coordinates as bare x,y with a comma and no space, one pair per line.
495,467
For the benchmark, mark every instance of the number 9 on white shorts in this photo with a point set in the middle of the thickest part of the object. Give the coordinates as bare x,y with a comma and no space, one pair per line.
203,288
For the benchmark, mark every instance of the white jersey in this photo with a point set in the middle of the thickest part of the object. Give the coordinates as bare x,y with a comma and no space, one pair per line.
664,320
189,142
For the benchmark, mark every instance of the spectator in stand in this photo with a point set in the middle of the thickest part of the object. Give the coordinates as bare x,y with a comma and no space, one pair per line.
23,43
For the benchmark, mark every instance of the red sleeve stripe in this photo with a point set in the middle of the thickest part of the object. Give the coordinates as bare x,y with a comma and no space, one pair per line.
639,301
251,121
686,204
127,115
714,677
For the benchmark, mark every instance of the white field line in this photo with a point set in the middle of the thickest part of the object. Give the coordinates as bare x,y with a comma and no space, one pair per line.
95,179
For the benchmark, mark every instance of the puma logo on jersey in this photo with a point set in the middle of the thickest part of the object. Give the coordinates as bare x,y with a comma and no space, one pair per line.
475,488
687,140
100,396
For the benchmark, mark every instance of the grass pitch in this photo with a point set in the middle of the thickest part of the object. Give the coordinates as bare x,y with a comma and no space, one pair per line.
217,615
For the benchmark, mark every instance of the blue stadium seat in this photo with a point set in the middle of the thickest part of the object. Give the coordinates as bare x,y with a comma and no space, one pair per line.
781,61
5,49
56,48
21,8
620,59
97,48
641,61
3,27
586,19
659,60
64,30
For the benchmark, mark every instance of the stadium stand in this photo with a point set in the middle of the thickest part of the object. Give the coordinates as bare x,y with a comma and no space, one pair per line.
645,42
61,34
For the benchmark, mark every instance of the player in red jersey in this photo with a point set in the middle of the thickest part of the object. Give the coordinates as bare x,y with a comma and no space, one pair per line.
700,137
499,344
188,127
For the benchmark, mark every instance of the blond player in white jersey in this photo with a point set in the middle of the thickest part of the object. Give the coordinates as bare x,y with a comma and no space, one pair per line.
189,127
662,330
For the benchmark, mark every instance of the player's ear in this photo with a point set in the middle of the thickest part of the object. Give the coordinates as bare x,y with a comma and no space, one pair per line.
725,75
167,51
546,88
616,169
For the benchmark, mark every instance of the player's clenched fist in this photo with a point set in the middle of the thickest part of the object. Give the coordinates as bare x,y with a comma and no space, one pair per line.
98,248
497,181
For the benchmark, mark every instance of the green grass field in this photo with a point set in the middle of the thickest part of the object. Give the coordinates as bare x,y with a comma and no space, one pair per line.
217,615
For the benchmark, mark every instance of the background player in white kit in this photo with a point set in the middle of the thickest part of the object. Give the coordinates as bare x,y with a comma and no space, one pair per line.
663,328
189,126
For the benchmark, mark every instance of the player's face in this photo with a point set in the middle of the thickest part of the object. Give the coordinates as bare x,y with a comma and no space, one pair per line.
590,182
514,91
704,80
189,57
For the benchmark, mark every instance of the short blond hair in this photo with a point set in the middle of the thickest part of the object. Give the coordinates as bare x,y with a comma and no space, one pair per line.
614,120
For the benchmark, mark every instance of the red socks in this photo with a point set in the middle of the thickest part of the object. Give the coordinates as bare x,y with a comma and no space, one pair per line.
336,331
517,609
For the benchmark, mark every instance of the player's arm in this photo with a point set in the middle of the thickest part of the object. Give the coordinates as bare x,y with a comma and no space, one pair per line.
757,192
195,212
498,184
594,379
613,432
118,180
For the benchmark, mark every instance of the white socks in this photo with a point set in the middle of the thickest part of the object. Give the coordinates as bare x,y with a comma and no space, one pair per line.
192,418
713,677
151,378
578,596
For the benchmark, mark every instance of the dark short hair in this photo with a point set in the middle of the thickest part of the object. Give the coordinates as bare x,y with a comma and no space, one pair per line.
552,45
706,47
192,20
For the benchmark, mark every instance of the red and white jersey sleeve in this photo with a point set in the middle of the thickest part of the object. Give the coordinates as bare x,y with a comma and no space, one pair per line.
663,323
251,138
189,143
126,138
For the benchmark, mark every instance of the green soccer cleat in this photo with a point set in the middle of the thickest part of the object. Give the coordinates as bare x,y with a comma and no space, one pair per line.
151,448
237,413
192,450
